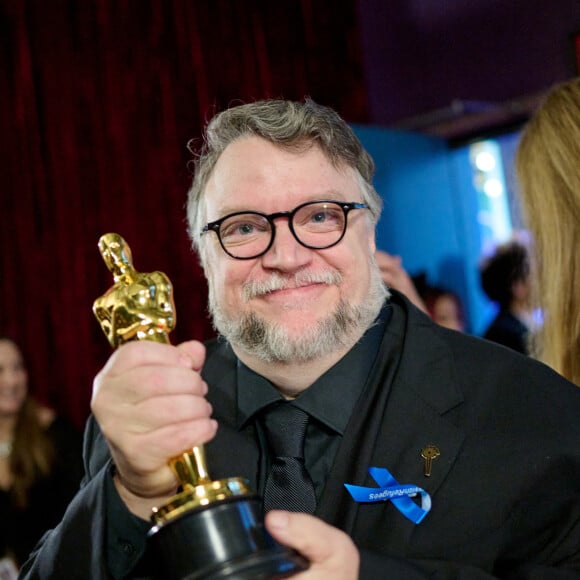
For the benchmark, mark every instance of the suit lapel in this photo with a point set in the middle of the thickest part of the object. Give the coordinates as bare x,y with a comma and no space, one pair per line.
402,411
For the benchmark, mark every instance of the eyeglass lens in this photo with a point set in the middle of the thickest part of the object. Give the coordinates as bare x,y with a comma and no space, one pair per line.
315,225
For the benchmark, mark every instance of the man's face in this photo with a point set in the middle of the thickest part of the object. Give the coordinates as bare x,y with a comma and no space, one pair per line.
446,313
252,174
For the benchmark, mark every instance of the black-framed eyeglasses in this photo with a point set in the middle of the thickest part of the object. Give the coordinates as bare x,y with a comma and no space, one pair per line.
316,225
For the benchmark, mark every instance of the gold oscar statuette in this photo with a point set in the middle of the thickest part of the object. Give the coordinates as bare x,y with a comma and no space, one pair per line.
211,528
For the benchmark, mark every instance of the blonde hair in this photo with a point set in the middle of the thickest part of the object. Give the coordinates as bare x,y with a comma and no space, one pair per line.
548,169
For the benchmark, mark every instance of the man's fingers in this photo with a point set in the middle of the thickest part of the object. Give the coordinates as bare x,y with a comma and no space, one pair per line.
329,550
194,350
160,381
181,408
299,531
155,449
189,354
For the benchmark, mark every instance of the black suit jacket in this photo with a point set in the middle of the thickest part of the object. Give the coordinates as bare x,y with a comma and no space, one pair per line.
505,489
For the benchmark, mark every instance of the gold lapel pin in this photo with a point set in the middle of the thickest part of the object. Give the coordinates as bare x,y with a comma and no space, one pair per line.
428,454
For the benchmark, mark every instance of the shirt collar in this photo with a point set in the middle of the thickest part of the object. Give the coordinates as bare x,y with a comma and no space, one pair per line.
331,398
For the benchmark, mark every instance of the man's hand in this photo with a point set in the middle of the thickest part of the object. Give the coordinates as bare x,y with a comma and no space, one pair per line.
149,401
332,554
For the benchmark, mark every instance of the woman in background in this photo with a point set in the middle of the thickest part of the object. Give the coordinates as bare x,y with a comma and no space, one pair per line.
548,169
442,305
40,462
445,307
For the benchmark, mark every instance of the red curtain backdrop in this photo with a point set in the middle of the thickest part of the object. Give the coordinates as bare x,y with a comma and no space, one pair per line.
98,100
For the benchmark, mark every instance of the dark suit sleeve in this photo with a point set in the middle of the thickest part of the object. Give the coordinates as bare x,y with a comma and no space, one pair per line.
374,566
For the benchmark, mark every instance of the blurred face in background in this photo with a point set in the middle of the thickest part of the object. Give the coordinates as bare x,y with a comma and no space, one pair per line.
446,312
13,379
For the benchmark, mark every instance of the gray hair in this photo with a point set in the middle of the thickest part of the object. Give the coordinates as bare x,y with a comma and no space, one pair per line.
292,126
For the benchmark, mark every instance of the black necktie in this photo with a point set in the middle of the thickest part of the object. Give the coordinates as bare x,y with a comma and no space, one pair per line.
288,486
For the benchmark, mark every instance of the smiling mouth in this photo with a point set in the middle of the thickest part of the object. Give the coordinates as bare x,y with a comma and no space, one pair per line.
294,289
302,282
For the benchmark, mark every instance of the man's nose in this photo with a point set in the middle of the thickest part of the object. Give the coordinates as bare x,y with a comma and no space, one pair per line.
286,252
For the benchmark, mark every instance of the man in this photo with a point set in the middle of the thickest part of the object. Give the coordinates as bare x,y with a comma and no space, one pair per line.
462,457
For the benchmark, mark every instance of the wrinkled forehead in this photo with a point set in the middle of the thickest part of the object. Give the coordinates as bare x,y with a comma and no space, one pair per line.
253,168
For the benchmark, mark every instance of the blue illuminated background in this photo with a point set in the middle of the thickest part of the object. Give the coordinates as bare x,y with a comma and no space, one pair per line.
445,207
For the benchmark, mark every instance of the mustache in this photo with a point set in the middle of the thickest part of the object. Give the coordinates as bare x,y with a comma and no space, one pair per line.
275,282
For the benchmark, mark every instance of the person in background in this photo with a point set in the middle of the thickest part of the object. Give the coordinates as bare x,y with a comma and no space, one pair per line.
40,466
442,305
445,307
505,279
282,213
548,170
395,276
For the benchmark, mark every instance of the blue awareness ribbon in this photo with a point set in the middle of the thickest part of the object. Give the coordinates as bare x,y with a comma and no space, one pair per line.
391,489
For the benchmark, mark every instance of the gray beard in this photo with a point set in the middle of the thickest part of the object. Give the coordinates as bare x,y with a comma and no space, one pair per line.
271,342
